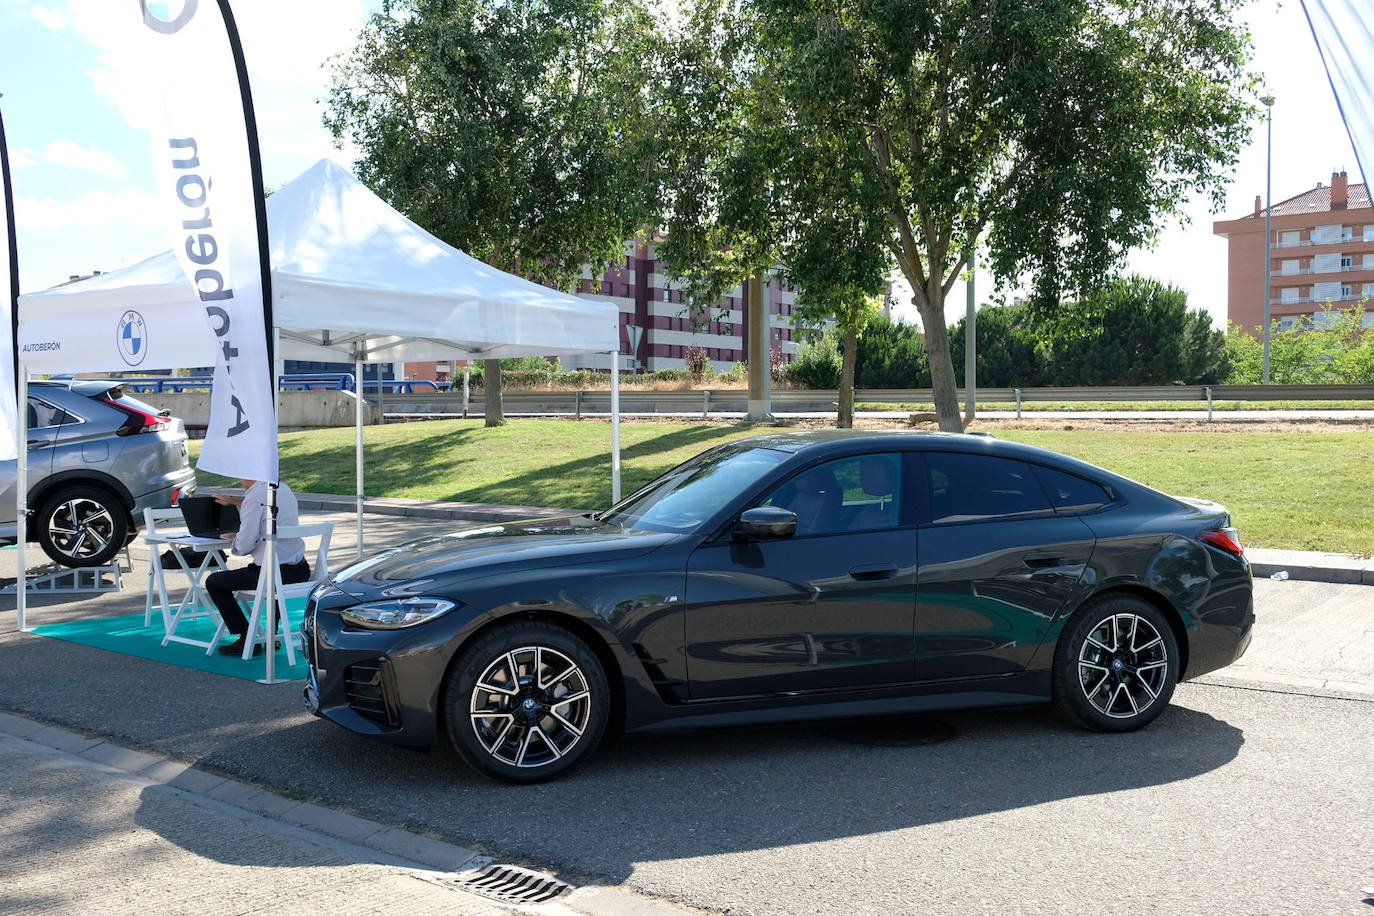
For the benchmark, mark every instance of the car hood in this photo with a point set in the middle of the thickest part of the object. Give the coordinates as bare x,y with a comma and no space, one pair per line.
488,549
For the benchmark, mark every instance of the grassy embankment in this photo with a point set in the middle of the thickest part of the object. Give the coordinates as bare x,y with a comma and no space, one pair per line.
1297,490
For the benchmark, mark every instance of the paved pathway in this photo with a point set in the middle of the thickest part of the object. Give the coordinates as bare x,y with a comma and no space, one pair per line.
85,838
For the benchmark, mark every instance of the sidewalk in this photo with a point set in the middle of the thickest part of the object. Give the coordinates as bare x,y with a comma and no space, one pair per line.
94,828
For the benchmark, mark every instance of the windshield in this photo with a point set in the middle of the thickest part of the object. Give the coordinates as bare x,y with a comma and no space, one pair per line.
681,500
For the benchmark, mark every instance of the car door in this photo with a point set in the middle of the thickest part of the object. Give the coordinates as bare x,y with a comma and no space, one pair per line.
998,565
828,608
44,420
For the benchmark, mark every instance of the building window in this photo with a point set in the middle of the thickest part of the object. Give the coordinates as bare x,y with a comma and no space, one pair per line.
1347,262
1346,292
667,295
1369,233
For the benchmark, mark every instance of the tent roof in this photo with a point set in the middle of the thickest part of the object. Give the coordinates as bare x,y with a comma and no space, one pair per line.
348,270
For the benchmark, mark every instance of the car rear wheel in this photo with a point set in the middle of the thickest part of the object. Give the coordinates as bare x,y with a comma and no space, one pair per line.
525,702
1116,664
82,526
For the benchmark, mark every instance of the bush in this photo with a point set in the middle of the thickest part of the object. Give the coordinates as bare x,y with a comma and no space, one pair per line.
1339,353
818,362
698,362
891,354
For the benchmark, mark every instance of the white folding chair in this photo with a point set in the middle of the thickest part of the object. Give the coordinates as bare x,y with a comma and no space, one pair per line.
194,603
319,572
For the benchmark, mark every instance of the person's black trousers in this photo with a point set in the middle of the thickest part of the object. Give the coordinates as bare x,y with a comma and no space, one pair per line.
222,585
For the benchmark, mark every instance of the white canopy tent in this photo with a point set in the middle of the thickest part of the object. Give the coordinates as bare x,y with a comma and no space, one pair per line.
351,277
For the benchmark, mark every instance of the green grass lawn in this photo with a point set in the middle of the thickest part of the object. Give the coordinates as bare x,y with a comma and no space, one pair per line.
1033,406
1297,490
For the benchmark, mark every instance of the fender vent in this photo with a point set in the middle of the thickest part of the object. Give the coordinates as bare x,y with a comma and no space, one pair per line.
510,884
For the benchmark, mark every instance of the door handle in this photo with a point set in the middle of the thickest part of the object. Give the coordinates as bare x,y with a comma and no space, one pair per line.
874,572
1044,562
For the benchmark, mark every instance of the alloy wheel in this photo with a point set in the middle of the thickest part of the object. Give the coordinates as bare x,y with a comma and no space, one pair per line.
81,528
1123,665
530,707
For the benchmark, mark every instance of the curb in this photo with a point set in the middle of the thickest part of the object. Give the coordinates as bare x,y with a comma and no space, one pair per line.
411,849
1311,566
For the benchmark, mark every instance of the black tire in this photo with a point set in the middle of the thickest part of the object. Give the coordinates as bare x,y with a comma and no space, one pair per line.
92,538
505,703
1116,664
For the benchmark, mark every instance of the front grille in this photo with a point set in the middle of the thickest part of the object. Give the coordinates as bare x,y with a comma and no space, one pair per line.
371,693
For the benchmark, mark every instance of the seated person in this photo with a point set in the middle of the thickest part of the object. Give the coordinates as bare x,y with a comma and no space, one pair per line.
251,540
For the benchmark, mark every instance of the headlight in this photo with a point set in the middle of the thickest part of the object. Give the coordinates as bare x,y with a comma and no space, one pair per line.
397,614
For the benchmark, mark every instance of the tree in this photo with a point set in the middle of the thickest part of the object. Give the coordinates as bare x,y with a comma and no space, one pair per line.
511,129
1339,350
746,196
1010,351
891,354
1057,133
1136,331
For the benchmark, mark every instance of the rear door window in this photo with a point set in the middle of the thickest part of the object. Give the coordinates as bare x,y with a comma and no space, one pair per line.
969,488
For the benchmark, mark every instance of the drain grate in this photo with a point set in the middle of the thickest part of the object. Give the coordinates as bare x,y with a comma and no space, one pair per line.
509,884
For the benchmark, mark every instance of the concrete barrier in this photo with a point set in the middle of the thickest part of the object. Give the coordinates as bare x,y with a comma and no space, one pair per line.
296,409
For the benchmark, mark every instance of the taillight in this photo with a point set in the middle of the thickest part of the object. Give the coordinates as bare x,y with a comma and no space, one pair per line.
1227,539
140,421
176,495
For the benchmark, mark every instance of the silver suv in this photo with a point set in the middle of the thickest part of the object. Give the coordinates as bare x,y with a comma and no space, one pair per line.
97,459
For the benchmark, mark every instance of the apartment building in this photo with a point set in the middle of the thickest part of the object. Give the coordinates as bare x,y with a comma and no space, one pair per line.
1321,256
668,324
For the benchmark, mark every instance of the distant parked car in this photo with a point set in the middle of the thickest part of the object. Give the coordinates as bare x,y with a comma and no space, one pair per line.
782,578
97,459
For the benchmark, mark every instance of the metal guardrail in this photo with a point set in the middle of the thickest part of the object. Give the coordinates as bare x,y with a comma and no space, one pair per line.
711,401
305,381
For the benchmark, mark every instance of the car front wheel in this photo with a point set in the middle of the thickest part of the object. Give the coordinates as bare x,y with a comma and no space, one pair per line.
1116,664
82,526
526,701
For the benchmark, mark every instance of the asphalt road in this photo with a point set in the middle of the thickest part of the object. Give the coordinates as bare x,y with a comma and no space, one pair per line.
1236,800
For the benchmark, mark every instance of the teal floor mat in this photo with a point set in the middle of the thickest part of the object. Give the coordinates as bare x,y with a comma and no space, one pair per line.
128,636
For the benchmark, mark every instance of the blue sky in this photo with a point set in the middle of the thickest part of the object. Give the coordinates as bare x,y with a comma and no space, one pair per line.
83,178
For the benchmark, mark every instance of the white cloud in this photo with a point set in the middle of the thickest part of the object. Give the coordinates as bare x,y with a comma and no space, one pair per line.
92,209
51,18
22,157
286,46
65,152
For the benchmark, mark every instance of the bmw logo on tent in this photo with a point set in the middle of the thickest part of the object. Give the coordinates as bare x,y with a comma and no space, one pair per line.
132,338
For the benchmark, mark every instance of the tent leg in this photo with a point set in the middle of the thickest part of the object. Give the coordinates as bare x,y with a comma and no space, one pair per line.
21,502
358,455
615,426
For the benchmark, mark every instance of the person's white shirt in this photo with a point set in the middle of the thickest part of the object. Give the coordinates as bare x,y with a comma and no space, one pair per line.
251,539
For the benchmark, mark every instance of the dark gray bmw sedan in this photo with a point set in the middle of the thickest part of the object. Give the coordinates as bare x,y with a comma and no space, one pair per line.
787,577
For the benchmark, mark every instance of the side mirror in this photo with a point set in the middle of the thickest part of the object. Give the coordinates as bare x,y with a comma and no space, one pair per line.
763,523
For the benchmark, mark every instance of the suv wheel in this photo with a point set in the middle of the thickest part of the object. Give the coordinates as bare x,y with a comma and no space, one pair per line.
82,526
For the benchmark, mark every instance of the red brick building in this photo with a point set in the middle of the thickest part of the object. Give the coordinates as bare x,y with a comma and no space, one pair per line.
1321,256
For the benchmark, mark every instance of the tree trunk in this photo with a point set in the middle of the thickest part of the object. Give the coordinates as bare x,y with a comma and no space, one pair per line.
942,380
845,415
491,393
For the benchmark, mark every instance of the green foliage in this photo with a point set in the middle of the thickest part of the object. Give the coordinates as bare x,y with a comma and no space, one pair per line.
1009,348
891,354
512,129
818,362
1340,353
1058,133
1135,331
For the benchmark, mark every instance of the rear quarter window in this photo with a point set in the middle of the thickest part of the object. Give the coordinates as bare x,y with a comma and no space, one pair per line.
1069,493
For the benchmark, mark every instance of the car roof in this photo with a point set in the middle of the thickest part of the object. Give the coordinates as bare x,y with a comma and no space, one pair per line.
86,387
818,443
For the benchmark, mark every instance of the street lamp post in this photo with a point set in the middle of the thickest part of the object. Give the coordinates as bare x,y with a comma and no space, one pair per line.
1268,101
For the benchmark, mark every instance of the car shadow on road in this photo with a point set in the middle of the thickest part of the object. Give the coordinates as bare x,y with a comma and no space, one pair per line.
654,798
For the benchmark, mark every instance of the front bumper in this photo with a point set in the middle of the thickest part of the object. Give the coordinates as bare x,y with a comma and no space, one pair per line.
381,683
